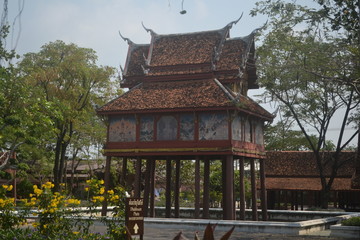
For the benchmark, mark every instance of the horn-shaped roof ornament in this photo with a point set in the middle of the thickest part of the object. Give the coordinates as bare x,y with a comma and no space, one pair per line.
126,39
260,28
148,29
234,22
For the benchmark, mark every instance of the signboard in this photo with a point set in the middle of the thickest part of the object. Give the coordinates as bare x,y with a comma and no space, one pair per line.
134,218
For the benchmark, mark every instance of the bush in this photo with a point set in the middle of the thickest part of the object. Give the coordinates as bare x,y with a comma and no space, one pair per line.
353,221
58,216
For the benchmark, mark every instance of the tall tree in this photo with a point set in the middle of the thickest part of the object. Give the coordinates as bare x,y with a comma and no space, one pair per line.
67,76
298,62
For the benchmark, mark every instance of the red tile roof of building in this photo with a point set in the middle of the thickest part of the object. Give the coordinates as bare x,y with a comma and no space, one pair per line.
185,95
189,48
135,59
306,184
190,53
297,170
303,164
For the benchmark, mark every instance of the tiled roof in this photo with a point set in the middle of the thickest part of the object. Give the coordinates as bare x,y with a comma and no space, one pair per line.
308,184
190,48
231,54
303,164
191,53
135,59
182,95
170,95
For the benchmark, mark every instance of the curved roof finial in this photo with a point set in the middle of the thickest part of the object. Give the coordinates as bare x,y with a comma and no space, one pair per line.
148,29
126,39
234,22
260,28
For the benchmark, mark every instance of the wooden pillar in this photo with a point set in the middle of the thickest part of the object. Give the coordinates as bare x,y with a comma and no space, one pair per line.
206,191
263,191
253,190
228,190
197,187
107,183
152,187
137,178
147,187
168,189
177,188
242,189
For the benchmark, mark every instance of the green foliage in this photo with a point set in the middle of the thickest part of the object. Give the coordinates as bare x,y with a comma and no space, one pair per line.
311,73
353,221
9,220
66,79
343,14
57,215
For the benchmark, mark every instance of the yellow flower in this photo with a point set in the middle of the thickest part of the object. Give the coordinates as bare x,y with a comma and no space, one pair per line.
101,181
35,224
10,187
86,189
88,181
102,190
48,185
38,191
111,192
75,233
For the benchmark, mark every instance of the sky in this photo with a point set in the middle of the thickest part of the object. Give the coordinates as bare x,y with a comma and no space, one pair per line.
96,24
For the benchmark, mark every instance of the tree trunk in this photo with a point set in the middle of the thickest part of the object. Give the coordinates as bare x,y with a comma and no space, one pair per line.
325,196
56,164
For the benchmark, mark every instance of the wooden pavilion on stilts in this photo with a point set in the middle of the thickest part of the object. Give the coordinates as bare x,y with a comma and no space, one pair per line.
187,100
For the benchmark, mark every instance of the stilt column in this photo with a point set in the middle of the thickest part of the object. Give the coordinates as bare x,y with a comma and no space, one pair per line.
228,190
206,192
168,189
263,190
253,190
242,189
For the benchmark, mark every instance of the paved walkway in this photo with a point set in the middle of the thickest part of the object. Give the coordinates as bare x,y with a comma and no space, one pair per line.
160,233
168,234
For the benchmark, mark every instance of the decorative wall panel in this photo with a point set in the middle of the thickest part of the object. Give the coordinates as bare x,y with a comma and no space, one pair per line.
146,128
213,126
259,132
248,131
187,127
167,128
122,129
236,128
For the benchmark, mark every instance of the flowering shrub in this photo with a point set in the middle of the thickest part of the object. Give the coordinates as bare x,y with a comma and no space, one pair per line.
97,195
8,220
57,215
